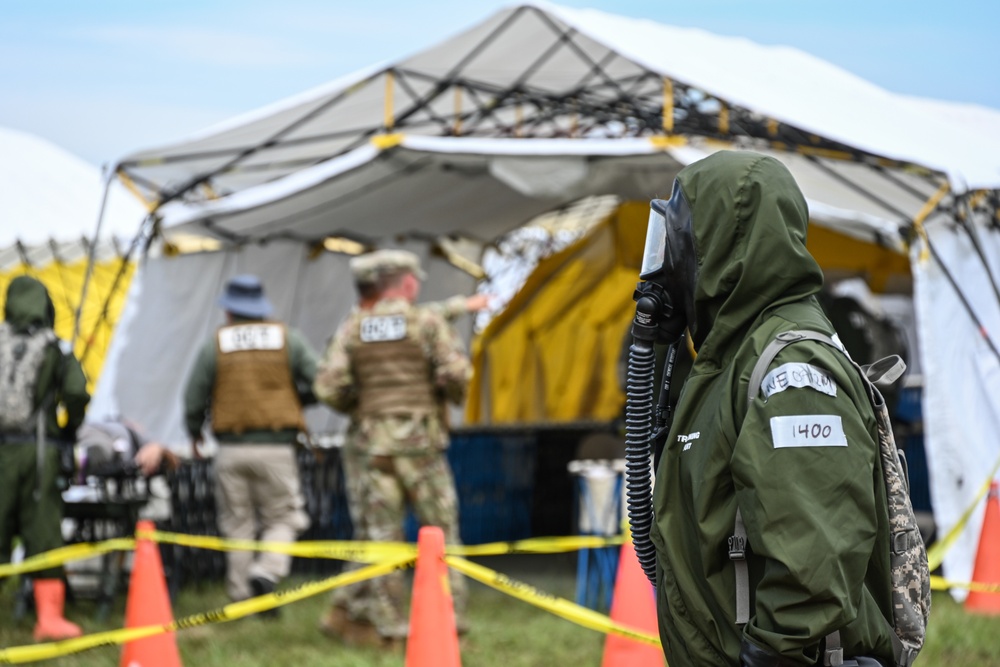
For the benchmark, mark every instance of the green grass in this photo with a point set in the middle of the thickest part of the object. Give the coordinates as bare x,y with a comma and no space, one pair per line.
505,632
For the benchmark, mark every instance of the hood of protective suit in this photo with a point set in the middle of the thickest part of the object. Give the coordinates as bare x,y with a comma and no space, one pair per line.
749,226
28,305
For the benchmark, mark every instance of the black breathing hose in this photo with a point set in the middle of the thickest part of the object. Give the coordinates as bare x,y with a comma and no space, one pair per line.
638,434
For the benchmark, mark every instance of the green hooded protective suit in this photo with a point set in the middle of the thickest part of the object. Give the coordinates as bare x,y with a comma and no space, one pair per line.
800,462
31,505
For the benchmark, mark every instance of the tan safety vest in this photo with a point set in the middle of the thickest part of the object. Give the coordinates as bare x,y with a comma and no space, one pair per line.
392,370
254,389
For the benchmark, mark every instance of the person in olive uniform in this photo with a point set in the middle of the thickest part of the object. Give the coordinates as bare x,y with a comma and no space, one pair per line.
252,378
38,376
800,462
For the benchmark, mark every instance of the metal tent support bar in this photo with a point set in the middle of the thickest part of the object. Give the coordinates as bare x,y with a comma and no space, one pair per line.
91,258
148,222
983,331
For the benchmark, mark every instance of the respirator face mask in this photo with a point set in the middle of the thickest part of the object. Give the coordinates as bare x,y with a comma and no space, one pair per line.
669,267
664,308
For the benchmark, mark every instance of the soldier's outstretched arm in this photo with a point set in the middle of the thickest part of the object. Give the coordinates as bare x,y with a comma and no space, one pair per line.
451,367
454,307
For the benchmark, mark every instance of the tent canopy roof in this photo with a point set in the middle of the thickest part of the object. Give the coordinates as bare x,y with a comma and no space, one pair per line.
533,71
480,188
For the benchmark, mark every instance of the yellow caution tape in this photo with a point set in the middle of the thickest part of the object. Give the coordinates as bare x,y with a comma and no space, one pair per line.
57,557
359,552
942,584
537,545
550,603
362,552
936,552
372,552
230,612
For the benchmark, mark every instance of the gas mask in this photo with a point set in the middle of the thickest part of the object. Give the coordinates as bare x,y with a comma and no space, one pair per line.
664,308
665,298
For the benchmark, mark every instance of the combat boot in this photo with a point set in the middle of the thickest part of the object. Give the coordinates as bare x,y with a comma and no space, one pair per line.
338,624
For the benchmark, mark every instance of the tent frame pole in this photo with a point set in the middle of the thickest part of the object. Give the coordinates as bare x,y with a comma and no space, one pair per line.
91,257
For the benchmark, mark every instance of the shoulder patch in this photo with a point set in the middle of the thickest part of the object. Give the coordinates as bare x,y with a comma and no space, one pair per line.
796,376
383,328
808,431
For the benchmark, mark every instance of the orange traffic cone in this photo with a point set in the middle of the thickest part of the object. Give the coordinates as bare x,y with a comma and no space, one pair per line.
433,638
149,604
987,569
633,605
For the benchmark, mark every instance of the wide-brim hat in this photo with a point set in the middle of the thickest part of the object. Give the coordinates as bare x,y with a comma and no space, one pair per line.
244,296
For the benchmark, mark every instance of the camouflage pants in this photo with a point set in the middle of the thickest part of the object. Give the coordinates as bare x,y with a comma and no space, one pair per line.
386,485
353,598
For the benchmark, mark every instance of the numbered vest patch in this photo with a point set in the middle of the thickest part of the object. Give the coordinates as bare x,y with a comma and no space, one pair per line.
243,337
808,431
383,328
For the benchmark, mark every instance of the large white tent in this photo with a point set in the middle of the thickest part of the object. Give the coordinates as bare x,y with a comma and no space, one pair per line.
537,106
49,204
47,193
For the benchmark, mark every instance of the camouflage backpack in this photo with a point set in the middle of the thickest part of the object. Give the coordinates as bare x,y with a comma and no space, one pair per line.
909,572
21,357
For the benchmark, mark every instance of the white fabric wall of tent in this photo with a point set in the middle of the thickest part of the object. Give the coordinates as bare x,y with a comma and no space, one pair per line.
531,109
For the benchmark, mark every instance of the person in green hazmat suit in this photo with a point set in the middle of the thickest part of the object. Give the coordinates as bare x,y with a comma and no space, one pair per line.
39,376
801,463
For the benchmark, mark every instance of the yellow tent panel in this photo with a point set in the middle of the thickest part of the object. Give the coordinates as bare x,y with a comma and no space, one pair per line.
536,360
552,354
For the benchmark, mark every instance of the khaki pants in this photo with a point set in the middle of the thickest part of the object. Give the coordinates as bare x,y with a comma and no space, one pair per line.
257,497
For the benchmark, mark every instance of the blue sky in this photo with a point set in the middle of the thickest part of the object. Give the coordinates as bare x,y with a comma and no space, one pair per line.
102,78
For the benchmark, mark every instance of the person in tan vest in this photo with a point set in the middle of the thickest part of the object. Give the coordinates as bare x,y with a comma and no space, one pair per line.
251,380
393,367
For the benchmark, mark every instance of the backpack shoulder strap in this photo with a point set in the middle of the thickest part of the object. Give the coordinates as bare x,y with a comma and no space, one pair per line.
781,341
882,372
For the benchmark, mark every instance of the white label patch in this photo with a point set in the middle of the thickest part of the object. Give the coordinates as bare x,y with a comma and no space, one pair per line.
798,375
251,337
808,431
688,439
386,327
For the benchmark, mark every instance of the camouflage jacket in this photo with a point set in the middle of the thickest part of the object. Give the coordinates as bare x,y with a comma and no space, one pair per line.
450,370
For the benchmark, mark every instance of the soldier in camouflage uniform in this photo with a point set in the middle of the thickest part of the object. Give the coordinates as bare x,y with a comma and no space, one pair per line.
356,598
393,367
38,375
